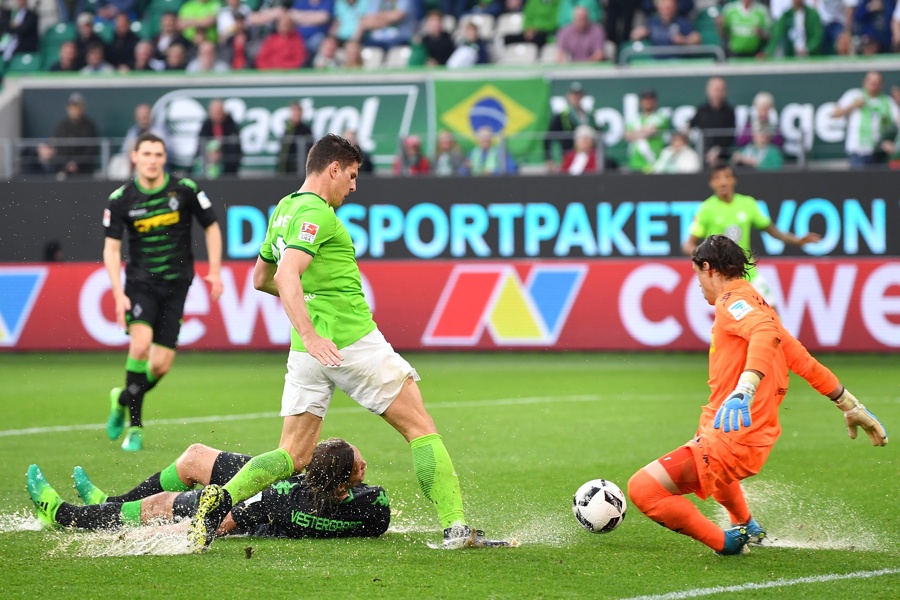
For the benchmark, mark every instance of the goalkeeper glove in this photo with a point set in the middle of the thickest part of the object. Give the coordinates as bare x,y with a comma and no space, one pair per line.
737,406
857,415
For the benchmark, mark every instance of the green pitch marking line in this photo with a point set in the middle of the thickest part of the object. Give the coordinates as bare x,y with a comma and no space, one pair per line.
698,592
339,410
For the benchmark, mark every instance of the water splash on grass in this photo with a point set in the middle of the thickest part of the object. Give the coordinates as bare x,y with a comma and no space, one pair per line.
22,520
795,518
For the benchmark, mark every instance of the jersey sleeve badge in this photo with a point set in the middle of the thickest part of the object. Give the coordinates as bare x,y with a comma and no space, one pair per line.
739,309
107,217
308,232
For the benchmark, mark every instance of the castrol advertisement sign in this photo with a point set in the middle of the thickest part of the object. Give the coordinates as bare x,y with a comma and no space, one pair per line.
612,304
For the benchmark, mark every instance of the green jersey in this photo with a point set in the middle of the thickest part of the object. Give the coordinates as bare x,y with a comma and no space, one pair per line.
332,286
745,27
642,154
733,219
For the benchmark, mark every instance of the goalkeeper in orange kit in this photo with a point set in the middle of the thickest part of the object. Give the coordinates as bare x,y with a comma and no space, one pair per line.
750,356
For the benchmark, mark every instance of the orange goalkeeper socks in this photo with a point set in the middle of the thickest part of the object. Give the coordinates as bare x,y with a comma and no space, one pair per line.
673,512
732,498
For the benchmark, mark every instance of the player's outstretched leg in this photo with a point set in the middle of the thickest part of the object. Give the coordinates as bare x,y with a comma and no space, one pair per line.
89,492
212,506
675,512
116,421
45,498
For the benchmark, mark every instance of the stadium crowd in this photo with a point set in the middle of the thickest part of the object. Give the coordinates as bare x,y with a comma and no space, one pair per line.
102,36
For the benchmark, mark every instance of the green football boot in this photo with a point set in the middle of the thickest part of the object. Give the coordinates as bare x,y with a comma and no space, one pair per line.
45,498
116,421
89,492
134,439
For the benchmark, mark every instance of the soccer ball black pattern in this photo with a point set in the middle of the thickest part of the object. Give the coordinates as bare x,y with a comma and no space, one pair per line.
599,506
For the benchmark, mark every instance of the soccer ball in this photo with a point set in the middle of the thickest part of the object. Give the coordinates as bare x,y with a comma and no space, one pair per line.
599,505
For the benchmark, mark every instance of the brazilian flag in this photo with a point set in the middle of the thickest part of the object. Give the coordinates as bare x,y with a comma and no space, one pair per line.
516,108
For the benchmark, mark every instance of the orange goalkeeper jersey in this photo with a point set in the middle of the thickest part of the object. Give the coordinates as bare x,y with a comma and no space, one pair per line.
747,334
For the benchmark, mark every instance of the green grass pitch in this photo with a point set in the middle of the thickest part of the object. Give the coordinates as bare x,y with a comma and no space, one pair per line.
524,431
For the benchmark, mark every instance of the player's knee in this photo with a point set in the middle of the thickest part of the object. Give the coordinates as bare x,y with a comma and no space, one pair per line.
185,463
643,491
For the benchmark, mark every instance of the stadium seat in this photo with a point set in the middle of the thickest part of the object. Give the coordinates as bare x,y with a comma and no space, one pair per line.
518,54
706,26
52,39
509,23
105,31
161,6
398,56
549,54
25,62
483,21
372,57
609,50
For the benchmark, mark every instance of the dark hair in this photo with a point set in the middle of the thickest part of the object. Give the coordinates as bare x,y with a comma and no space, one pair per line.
147,136
329,468
332,148
723,255
720,166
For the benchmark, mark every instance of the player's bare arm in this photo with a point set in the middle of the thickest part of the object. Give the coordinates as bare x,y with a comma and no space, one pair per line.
214,253
287,278
112,260
789,238
689,244
264,277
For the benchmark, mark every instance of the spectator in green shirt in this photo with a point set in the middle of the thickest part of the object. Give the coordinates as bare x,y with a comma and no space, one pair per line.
761,155
744,25
197,20
539,21
645,132
798,32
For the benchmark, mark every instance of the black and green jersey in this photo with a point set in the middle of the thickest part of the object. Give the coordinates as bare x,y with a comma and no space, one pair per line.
285,509
158,222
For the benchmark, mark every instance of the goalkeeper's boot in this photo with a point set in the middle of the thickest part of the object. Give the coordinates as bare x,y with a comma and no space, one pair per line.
134,439
462,536
89,492
116,421
45,498
735,541
755,532
212,507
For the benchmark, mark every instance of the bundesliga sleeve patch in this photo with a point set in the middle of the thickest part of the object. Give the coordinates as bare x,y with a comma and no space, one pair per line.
308,232
739,309
203,199
107,217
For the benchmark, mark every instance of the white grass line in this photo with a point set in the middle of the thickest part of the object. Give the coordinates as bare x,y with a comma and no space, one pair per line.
271,415
696,593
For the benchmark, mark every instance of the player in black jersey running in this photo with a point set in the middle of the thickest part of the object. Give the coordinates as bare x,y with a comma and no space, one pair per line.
157,213
329,501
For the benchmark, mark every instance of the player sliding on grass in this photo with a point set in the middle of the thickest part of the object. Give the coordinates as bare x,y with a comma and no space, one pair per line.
750,356
308,260
330,501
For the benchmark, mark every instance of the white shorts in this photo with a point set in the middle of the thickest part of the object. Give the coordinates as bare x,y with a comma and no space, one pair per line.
372,373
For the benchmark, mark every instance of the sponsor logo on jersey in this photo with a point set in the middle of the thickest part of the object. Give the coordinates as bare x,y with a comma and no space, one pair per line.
107,217
739,309
144,225
308,232
529,312
21,287
138,212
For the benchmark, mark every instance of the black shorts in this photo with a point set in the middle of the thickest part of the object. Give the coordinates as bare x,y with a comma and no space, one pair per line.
160,307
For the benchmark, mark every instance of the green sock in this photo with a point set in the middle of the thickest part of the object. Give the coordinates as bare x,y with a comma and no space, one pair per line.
170,482
258,474
131,513
151,380
437,479
136,366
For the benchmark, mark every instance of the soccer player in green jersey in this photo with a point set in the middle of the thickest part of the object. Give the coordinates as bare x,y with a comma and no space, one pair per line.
157,212
308,260
735,215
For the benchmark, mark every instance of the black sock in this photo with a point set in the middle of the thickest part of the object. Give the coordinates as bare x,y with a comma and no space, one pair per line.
136,385
97,516
148,487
